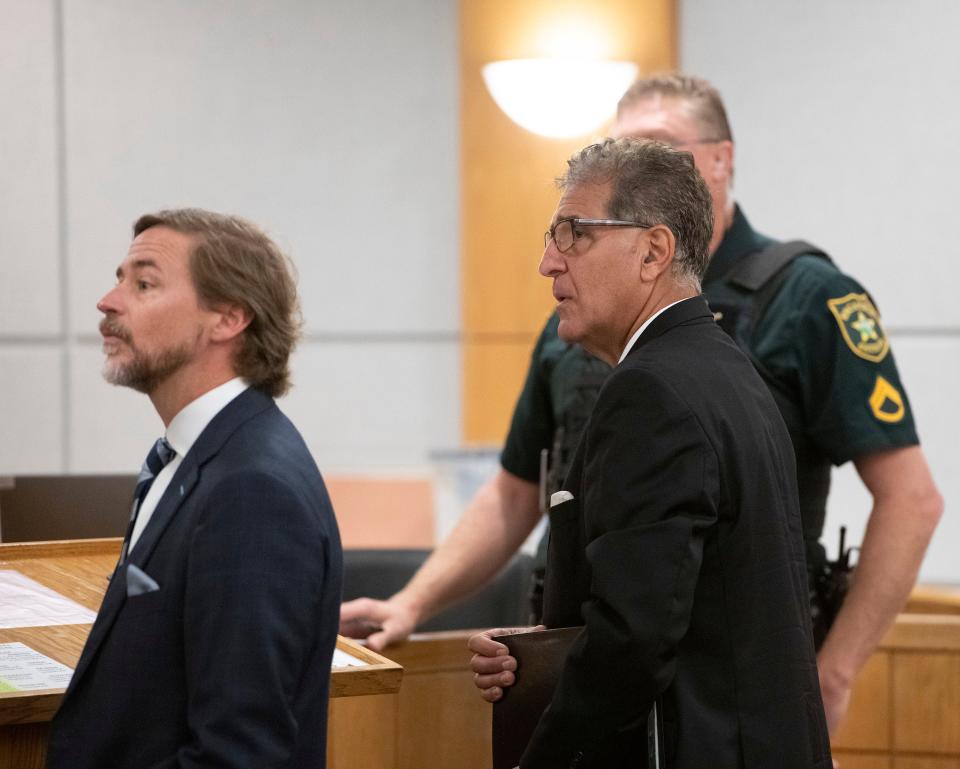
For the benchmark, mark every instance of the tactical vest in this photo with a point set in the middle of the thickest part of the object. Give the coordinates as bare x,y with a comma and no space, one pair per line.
591,374
739,301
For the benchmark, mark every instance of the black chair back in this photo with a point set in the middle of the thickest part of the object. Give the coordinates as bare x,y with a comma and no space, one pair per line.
502,603
36,508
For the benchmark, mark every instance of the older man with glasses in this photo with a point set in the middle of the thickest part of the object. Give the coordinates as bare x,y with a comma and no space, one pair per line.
675,540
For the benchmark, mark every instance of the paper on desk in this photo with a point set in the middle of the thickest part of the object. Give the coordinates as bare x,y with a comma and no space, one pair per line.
344,660
22,669
26,603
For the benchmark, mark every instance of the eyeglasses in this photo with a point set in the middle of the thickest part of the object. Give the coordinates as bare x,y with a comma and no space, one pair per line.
565,232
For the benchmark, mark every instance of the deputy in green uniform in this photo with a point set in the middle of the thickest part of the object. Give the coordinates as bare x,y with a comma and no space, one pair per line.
816,337
806,329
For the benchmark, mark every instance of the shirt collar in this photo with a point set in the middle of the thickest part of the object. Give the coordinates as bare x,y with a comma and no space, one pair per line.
643,327
192,419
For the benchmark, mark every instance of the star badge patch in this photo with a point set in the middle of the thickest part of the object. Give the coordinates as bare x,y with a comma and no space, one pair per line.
859,323
886,402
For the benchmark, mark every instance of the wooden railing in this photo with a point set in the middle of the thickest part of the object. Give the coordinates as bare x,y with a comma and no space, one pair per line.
904,713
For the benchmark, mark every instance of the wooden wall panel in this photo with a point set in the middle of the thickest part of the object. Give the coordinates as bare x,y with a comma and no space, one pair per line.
867,726
507,192
911,686
24,746
861,761
926,702
924,763
493,375
443,722
362,732
383,512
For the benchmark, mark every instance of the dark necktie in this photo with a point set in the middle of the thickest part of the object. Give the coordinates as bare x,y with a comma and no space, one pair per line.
158,458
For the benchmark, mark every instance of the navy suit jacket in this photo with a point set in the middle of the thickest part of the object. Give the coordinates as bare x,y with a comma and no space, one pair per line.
681,554
227,664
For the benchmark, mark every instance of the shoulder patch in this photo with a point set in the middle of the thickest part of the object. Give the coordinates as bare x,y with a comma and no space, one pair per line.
886,402
859,323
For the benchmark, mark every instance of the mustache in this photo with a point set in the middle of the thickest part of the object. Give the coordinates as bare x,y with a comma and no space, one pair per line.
110,326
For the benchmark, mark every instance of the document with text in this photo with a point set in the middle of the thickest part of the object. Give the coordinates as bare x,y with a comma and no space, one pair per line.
24,669
24,602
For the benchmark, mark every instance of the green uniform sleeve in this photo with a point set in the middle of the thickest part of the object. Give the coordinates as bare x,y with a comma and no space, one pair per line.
840,361
532,426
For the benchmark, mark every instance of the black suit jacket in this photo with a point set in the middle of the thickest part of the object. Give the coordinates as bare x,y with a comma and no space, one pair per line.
228,663
681,554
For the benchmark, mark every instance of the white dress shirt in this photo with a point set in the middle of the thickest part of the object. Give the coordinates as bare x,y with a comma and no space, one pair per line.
182,433
643,327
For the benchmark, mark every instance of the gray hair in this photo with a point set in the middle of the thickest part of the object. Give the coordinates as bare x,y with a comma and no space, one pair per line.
702,98
652,183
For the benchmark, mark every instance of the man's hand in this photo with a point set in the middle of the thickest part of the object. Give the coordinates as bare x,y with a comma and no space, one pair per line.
499,517
493,667
836,700
381,622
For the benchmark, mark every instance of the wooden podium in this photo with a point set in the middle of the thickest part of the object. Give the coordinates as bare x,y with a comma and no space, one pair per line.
78,570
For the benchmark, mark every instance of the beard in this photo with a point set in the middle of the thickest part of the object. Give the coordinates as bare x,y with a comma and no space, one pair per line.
145,371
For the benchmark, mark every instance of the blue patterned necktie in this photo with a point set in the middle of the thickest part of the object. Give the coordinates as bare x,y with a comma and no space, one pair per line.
158,458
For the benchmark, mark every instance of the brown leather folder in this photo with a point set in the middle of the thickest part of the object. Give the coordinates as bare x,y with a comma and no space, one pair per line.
540,656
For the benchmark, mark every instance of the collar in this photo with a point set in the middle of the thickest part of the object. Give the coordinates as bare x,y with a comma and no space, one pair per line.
193,418
643,327
738,241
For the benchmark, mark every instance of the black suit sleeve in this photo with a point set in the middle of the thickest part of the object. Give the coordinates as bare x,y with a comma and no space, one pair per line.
649,493
256,571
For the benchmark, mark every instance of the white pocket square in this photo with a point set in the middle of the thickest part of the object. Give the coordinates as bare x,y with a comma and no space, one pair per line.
139,582
559,497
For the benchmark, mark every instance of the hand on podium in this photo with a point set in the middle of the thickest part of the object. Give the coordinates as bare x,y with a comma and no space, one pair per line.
381,623
493,667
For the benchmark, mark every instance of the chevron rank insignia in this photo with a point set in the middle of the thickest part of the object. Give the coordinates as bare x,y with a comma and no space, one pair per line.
859,323
886,402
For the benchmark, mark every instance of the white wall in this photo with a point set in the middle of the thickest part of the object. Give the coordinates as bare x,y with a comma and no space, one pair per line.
333,125
846,116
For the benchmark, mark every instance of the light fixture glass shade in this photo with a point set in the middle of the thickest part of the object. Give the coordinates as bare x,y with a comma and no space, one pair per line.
558,97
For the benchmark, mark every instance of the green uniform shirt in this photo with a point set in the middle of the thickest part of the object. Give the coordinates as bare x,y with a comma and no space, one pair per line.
820,346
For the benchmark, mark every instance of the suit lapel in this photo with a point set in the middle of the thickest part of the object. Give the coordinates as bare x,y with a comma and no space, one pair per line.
694,308
177,492
208,444
211,440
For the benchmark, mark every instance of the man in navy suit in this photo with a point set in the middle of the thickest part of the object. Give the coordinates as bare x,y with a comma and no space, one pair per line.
214,640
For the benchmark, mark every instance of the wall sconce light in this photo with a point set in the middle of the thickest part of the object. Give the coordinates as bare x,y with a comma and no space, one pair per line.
559,98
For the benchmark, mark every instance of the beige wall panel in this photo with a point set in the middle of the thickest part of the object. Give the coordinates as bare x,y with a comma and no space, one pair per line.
828,178
868,721
333,125
31,384
926,702
30,279
111,428
493,375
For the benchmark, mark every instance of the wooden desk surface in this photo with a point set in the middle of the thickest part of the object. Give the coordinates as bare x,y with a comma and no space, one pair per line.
79,569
